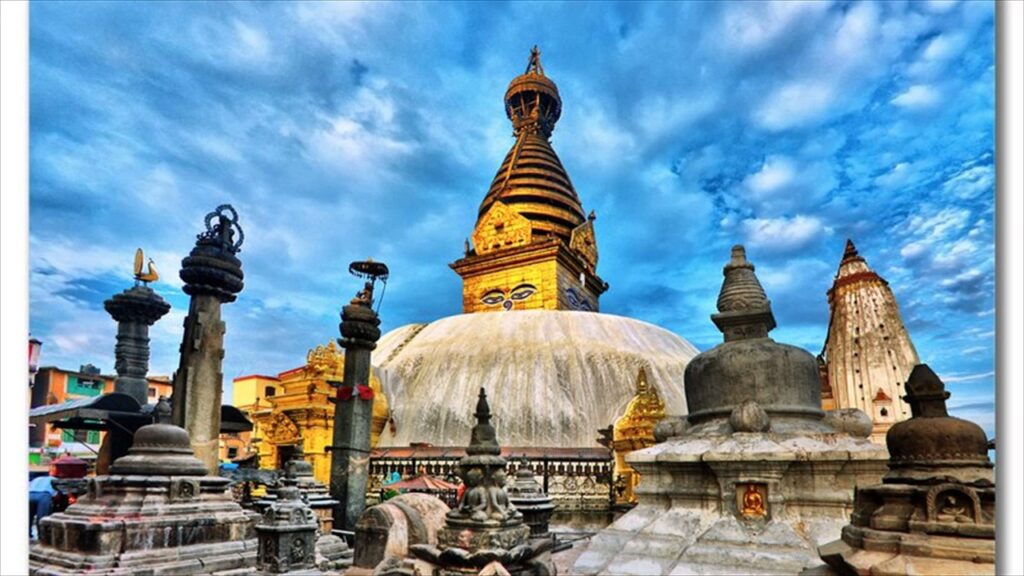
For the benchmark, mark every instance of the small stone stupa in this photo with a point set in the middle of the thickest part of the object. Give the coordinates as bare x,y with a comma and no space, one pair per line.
287,534
755,478
528,496
485,529
158,512
298,472
934,512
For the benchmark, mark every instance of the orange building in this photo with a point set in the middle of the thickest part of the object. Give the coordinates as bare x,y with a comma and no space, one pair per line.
55,385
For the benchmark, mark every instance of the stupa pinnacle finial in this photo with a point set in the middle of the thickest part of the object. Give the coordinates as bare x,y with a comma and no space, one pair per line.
534,66
926,393
483,439
740,290
532,101
744,310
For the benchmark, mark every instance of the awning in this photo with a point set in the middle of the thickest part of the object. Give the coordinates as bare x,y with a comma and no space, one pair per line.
89,413
96,413
233,420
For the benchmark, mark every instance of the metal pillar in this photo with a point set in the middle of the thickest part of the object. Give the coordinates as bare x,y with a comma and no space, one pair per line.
353,413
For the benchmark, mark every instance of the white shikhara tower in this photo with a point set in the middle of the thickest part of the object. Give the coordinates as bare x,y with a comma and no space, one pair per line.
868,354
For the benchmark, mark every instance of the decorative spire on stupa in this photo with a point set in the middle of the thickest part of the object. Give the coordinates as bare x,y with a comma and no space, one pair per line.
868,354
743,309
530,216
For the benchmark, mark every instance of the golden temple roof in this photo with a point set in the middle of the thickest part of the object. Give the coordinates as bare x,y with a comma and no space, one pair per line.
531,179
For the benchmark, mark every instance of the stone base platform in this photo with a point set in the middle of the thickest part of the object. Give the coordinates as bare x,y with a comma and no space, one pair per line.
882,553
690,519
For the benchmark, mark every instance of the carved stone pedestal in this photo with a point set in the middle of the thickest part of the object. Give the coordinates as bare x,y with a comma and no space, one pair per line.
157,513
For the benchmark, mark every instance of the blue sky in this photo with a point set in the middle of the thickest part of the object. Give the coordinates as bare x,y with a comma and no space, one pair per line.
341,131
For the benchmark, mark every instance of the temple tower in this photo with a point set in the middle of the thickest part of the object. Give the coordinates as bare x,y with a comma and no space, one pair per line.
533,246
868,354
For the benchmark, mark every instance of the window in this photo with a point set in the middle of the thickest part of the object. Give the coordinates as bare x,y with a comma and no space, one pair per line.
232,453
269,391
152,392
883,412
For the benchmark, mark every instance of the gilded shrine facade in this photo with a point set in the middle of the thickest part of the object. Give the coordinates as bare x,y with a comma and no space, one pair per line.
293,409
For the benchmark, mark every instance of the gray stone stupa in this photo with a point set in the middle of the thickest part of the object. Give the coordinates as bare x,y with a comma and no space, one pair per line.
934,512
755,477
158,512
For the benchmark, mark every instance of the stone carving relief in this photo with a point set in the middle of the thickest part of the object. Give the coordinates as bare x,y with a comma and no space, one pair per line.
953,503
183,489
282,430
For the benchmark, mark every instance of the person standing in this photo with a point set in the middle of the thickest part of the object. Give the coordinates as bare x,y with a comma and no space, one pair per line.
40,499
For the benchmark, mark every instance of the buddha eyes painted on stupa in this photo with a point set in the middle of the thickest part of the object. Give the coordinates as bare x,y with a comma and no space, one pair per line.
576,301
507,300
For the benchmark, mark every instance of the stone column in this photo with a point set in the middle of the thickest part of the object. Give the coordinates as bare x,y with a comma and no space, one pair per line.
353,411
212,275
134,310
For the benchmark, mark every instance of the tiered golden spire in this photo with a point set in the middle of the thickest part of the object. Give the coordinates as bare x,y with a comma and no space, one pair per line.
533,245
531,179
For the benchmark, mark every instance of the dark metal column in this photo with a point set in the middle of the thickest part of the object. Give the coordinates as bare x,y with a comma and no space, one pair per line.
353,410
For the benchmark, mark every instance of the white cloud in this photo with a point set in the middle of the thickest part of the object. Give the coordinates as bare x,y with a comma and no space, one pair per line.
776,172
795,104
971,182
918,96
899,175
944,47
751,26
784,185
967,377
253,43
782,234
939,6
913,251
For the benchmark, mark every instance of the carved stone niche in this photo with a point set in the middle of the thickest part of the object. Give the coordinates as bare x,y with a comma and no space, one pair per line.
183,490
953,503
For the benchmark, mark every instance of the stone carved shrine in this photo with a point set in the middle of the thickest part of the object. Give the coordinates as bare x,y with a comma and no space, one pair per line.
755,477
934,512
158,512
485,528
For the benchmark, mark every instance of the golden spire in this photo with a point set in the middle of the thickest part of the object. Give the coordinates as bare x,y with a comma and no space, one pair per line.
531,179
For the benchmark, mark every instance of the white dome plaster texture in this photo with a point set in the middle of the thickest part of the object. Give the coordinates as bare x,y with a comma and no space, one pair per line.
553,378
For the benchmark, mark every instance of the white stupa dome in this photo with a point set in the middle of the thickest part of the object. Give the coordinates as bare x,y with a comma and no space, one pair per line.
553,378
